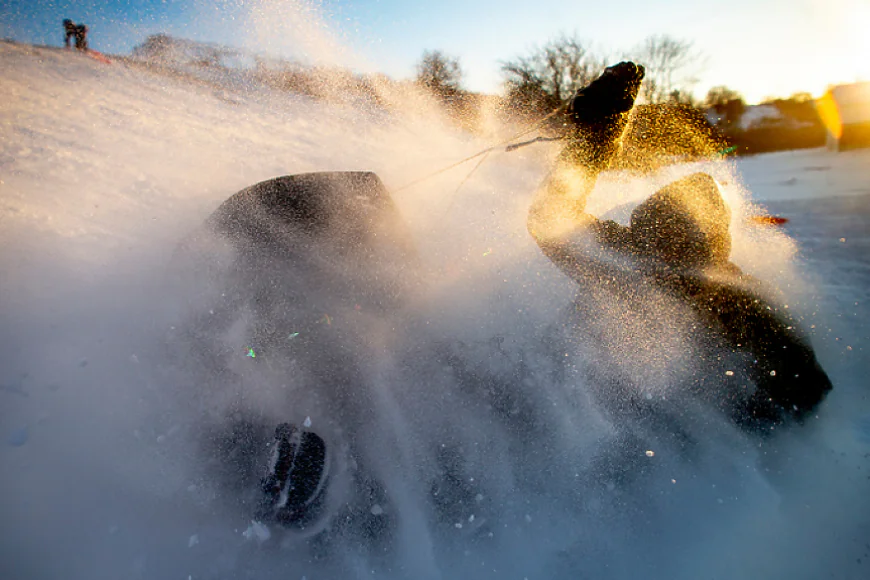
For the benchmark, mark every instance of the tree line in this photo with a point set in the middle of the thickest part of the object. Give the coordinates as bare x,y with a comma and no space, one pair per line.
545,77
668,121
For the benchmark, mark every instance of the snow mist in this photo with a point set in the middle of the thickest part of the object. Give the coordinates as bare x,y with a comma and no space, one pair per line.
137,428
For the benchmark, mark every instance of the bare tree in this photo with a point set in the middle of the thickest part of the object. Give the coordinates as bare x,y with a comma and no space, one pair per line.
670,66
727,103
155,46
545,78
719,96
439,73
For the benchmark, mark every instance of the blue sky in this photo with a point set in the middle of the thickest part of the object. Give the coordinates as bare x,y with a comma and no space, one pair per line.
760,47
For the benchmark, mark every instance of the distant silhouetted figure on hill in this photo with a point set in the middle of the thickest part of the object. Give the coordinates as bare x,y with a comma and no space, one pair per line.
82,37
69,29
77,31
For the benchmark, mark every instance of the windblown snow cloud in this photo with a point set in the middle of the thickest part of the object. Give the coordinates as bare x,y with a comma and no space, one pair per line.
106,414
295,28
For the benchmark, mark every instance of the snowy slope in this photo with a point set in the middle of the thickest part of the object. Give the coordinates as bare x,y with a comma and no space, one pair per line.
807,174
104,168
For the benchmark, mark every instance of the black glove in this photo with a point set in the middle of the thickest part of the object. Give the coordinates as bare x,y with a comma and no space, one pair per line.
608,96
598,115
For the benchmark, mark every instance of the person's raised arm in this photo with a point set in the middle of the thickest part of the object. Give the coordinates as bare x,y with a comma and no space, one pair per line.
598,116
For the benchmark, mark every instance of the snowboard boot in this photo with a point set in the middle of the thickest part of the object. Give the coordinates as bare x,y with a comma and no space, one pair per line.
598,115
295,485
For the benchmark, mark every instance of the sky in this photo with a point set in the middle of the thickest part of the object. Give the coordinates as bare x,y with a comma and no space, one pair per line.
761,48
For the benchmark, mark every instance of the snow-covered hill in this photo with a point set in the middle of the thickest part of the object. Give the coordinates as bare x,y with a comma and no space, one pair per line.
104,168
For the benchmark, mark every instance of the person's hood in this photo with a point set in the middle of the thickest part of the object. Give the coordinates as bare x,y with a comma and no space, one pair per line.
685,224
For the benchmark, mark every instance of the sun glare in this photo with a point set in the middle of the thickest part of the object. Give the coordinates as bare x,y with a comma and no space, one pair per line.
830,115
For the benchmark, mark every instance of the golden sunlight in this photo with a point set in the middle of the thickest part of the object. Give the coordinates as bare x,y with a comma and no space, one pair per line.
830,114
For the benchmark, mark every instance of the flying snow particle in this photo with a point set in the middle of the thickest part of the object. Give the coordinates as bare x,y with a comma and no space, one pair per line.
194,540
377,510
650,453
773,373
251,353
307,422
294,335
729,373
257,530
